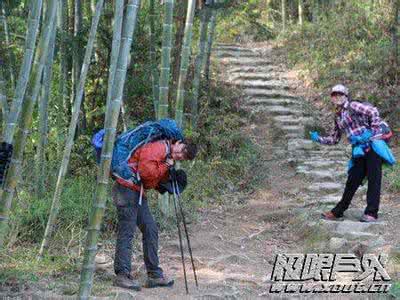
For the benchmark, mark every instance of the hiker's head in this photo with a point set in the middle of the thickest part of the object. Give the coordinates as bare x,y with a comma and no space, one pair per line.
183,150
339,95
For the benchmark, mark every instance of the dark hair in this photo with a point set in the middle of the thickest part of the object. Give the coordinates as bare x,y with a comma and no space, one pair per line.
190,149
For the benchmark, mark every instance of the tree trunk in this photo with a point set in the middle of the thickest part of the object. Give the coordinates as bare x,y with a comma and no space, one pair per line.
316,11
185,58
111,122
30,40
153,59
43,119
26,117
301,12
284,16
198,65
55,206
10,63
166,58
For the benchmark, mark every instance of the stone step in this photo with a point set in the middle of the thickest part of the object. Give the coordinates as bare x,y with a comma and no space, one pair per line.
293,128
272,101
317,175
254,69
273,110
290,119
268,93
259,83
291,135
325,187
231,47
260,86
264,76
228,54
245,62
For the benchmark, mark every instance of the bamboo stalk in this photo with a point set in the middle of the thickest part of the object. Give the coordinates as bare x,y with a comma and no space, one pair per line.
116,42
153,59
43,119
198,65
166,58
64,102
26,117
7,41
30,40
210,39
3,97
55,206
185,58
100,198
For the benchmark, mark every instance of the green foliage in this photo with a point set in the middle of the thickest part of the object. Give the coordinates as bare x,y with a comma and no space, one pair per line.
393,178
245,21
352,45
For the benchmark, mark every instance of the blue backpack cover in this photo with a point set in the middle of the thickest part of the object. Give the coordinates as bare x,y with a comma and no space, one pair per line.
127,143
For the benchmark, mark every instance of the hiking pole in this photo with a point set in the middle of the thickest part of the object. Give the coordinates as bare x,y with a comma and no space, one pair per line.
181,247
178,196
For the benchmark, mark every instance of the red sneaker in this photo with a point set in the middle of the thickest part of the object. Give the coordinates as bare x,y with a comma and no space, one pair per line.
328,215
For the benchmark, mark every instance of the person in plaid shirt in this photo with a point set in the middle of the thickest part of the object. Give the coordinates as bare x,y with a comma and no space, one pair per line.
360,120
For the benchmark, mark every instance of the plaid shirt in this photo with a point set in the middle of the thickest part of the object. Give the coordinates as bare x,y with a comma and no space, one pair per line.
353,119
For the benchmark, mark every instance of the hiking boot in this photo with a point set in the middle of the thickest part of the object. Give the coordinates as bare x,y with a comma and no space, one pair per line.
127,282
159,282
368,219
328,215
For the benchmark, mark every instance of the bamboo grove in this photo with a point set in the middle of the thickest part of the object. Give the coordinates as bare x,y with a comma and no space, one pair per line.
57,57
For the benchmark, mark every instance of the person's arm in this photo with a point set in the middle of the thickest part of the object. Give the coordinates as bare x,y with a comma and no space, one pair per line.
371,112
333,138
152,167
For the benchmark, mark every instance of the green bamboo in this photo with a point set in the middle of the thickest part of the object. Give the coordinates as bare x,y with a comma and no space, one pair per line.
3,97
116,42
30,40
55,206
114,108
301,12
185,58
210,39
165,58
64,102
7,41
153,58
43,119
26,117
283,12
198,66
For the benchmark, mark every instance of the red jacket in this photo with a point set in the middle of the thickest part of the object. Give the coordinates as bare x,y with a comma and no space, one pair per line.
150,161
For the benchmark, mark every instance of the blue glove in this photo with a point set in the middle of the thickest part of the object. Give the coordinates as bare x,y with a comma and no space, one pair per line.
314,136
362,138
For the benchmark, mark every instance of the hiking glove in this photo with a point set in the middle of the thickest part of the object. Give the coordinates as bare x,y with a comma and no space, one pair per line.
314,136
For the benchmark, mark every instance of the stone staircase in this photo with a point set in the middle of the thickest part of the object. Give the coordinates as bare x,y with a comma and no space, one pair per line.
268,96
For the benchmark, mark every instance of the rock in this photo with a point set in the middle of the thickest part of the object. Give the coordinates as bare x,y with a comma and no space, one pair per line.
337,244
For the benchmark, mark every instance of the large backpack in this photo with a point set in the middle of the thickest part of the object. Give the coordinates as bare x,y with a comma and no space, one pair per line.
128,142
386,131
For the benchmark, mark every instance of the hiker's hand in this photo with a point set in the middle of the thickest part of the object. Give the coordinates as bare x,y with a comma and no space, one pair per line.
314,136
170,162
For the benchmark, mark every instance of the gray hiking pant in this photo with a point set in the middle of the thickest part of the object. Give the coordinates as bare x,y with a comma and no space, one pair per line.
130,215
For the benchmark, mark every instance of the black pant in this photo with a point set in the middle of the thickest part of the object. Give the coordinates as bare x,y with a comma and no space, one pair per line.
130,215
369,165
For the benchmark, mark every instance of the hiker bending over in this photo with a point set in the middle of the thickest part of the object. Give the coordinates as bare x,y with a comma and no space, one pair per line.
367,133
152,162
